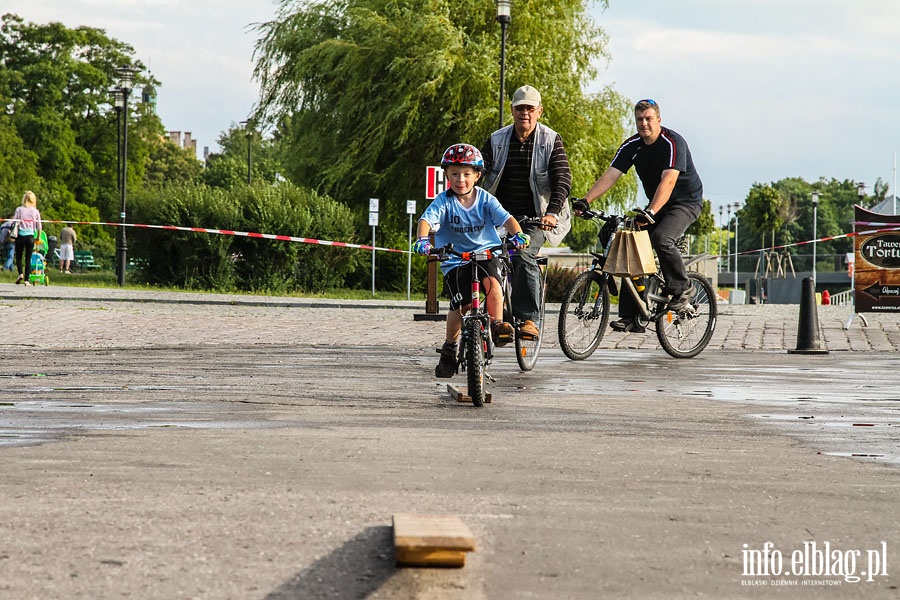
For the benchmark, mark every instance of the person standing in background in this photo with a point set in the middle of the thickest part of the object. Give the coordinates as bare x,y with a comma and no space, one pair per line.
67,239
29,220
7,245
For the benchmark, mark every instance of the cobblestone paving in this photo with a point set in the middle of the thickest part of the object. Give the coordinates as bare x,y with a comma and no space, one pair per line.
58,317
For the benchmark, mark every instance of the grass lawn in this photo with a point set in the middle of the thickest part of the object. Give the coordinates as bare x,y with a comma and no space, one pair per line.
104,278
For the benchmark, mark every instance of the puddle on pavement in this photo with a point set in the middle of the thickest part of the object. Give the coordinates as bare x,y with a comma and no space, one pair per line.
34,422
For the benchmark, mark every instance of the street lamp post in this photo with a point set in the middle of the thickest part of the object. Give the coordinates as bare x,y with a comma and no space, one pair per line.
249,136
126,80
503,17
861,191
737,206
815,203
728,237
118,104
721,235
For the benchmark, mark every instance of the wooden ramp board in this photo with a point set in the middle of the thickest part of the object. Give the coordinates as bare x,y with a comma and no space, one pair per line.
431,540
461,396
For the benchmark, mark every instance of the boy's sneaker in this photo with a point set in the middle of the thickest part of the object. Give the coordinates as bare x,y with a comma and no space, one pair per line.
446,367
529,330
502,332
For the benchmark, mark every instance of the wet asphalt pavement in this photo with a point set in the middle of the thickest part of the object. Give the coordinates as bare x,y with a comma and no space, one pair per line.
161,445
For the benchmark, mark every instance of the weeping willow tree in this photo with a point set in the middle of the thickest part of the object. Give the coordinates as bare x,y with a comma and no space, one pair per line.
367,93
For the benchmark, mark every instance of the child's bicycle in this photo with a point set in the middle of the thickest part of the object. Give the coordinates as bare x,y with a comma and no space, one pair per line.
584,314
476,348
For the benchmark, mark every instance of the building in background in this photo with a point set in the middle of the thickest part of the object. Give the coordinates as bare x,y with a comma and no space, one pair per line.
187,142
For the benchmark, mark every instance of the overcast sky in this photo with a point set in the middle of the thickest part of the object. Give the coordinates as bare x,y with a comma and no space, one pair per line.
761,89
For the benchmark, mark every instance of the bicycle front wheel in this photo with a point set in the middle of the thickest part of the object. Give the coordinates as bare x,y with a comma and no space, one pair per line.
527,350
475,351
686,333
584,315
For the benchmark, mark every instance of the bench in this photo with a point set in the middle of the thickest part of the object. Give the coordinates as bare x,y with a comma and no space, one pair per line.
84,259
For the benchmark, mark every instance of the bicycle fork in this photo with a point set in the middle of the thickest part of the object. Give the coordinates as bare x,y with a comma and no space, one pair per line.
482,320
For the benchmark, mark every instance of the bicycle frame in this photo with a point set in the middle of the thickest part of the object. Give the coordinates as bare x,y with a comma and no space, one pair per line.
478,310
653,299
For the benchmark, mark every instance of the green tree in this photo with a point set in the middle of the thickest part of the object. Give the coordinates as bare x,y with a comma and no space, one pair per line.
370,92
228,168
705,223
58,125
764,210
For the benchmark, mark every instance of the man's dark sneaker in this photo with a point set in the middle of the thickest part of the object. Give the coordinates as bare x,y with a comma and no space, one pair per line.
529,330
446,367
628,325
502,332
680,301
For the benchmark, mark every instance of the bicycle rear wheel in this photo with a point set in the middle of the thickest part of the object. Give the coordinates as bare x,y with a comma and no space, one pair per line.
685,334
527,351
584,315
475,351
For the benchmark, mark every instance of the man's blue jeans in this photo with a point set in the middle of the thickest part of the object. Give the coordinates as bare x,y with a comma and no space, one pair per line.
526,281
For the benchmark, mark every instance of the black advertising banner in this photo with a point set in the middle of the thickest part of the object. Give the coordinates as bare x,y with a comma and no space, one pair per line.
877,262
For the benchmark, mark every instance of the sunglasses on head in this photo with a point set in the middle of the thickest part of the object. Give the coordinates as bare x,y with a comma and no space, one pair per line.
649,101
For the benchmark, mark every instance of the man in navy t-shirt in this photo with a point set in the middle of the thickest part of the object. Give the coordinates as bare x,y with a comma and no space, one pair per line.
663,163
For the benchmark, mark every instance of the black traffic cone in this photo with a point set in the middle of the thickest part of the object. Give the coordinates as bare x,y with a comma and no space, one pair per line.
808,341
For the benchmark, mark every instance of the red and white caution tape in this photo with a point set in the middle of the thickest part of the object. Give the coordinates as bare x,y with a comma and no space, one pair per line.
249,234
893,228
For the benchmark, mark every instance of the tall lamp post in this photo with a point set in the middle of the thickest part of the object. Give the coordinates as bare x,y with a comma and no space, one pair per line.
737,207
861,191
503,17
249,136
815,203
721,236
728,237
126,80
118,103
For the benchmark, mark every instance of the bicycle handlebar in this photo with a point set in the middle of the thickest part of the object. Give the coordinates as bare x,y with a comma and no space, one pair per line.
536,221
443,252
599,214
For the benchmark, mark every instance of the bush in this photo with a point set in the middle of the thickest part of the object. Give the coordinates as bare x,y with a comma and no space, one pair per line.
228,262
558,281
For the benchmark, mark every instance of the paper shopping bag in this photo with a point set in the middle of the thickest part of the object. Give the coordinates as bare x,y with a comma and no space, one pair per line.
617,257
640,254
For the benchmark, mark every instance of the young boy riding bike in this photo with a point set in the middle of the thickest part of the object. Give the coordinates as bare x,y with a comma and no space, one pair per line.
467,217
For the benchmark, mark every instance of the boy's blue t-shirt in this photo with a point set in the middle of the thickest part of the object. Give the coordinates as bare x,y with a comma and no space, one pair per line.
468,229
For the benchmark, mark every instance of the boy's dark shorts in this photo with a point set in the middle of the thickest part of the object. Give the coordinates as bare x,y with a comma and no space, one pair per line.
458,282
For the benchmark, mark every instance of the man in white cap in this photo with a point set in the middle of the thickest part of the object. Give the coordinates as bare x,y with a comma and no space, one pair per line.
527,169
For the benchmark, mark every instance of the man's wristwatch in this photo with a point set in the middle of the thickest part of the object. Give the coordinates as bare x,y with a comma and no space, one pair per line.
650,211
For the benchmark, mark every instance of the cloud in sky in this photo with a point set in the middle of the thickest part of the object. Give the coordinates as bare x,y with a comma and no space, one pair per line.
201,51
764,90
761,89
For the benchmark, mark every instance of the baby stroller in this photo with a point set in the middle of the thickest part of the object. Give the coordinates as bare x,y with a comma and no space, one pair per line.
39,262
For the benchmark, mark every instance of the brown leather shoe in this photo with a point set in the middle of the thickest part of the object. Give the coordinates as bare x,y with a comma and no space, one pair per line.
529,331
502,332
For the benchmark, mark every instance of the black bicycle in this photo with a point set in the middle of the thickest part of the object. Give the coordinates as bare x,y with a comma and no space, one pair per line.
527,348
584,314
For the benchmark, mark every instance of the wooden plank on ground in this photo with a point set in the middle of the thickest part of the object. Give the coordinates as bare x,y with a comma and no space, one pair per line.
460,396
431,540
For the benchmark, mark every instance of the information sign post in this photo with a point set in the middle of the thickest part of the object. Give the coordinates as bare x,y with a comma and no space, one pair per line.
373,221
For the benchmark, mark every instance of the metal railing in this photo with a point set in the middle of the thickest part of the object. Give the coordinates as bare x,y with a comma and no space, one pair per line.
844,298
